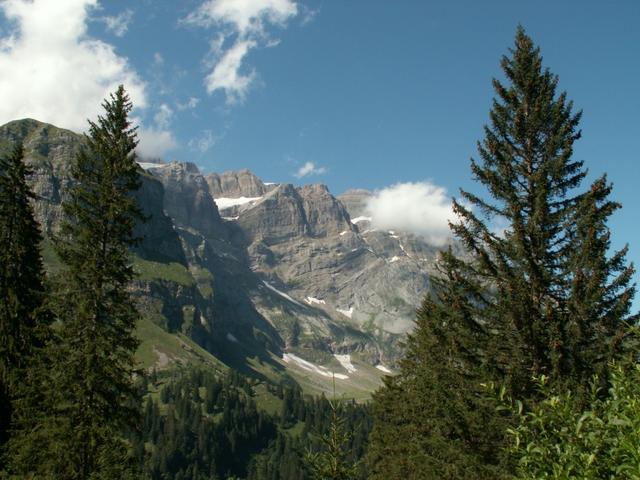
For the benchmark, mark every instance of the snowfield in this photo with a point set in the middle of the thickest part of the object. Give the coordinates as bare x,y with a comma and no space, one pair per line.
346,313
312,367
148,165
224,202
360,219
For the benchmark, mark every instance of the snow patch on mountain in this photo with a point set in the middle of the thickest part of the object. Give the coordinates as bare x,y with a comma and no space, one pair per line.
382,368
311,367
224,202
346,313
345,361
148,165
282,294
317,301
360,219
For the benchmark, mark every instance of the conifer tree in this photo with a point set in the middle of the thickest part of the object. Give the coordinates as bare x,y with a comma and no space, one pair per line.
433,421
93,397
540,297
23,318
332,462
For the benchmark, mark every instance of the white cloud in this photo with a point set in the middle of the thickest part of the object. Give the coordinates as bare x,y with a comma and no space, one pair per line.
119,24
163,116
154,142
245,20
308,14
158,59
204,142
309,169
190,104
52,70
247,17
421,208
226,74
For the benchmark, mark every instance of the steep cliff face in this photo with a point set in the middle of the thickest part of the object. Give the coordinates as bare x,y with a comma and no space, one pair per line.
187,199
48,150
274,218
322,252
237,184
264,276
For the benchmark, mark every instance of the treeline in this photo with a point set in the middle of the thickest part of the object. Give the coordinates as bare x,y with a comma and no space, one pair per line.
198,426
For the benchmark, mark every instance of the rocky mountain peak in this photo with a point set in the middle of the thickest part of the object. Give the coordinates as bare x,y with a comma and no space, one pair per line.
235,184
325,215
355,201
187,198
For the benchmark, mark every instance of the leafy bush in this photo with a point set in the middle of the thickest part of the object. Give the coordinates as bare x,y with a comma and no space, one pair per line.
568,436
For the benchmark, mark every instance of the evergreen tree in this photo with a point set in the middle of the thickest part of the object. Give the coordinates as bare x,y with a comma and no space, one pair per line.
540,297
332,462
23,319
93,399
600,286
434,421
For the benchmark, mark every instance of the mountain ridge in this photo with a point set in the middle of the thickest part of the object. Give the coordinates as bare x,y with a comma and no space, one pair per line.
272,279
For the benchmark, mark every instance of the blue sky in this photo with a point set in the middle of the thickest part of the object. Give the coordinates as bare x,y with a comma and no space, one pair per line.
365,93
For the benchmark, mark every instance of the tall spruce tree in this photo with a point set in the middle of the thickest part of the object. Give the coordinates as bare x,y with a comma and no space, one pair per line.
93,400
539,297
23,318
332,462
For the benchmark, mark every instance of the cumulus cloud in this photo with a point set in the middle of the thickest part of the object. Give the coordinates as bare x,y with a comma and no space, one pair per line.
309,169
52,70
154,142
119,24
421,208
245,22
247,17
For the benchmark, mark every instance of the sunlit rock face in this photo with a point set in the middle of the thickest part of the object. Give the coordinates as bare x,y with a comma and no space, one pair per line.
280,269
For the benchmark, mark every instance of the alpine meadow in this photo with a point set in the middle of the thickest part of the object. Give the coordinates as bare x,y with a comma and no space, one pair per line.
183,296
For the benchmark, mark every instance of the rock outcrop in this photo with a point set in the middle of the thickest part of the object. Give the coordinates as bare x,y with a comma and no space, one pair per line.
242,183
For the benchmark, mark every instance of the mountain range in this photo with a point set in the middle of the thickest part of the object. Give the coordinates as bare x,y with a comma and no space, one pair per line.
278,281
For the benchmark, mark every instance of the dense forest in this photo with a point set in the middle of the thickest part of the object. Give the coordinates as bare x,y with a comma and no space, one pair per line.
198,426
522,364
